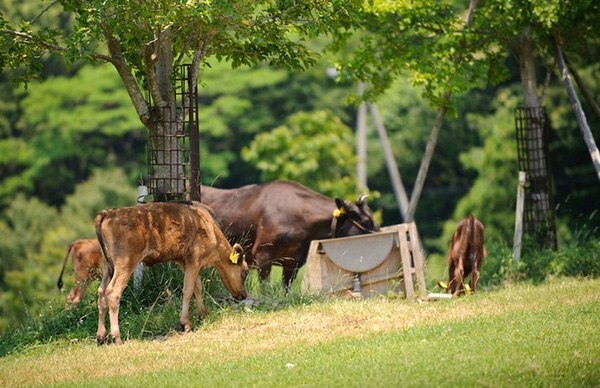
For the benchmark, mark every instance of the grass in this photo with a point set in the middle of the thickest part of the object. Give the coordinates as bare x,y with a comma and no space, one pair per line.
524,335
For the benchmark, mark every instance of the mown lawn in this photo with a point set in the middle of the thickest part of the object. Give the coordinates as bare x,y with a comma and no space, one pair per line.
524,335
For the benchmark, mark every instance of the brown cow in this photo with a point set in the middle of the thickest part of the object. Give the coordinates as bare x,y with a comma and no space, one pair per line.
279,219
465,255
158,233
86,257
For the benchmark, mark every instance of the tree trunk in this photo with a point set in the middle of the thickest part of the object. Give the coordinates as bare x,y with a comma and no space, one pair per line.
167,133
537,167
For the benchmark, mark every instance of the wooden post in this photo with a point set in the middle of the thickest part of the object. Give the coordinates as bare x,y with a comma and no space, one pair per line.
361,140
390,161
429,148
138,273
583,125
519,216
407,271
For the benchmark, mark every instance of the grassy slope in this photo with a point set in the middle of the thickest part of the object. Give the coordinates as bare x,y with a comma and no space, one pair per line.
523,335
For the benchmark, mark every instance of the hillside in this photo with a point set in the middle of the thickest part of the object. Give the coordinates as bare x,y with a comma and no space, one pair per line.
547,335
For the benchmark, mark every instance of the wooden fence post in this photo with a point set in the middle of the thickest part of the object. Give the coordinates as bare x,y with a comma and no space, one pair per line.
139,270
519,216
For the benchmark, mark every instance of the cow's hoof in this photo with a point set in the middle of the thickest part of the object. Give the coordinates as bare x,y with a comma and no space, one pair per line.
185,327
102,340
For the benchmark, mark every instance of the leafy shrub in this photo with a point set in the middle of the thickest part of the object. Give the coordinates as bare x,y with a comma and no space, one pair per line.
498,265
576,258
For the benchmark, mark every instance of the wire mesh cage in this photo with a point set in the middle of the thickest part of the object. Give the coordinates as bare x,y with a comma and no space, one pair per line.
533,131
173,147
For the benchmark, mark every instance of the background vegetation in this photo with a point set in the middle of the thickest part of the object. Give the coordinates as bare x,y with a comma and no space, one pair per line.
73,145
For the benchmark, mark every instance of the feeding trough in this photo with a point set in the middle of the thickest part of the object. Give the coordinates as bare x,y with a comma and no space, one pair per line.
381,263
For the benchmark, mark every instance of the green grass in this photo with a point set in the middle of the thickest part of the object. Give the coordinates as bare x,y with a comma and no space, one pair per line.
523,335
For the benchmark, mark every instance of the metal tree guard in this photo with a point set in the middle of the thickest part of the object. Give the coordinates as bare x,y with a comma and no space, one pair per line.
533,130
174,158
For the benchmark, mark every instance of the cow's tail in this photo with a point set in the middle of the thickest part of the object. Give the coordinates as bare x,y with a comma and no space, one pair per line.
59,284
98,222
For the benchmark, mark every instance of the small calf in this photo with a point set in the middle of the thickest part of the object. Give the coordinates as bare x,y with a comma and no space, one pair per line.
158,233
86,257
465,255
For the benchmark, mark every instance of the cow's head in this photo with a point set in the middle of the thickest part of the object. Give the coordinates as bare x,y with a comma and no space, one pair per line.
351,219
233,271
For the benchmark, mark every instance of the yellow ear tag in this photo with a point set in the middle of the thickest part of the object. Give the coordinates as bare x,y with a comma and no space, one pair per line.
338,212
467,289
234,257
442,285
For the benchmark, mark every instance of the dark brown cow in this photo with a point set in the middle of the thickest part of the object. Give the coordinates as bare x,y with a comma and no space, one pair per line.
279,219
158,233
465,255
86,257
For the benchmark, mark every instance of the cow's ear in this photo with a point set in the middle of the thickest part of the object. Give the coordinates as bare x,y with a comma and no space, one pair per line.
341,204
236,254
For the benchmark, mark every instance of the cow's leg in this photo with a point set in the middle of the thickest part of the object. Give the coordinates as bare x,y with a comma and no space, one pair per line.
451,282
102,306
263,255
190,277
199,300
458,277
197,292
74,296
474,280
80,278
476,273
290,270
264,272
114,290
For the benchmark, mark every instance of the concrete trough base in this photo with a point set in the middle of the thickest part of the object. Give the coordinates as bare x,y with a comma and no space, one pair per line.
380,260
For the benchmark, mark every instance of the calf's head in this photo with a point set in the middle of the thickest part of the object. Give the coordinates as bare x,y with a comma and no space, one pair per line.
353,218
233,270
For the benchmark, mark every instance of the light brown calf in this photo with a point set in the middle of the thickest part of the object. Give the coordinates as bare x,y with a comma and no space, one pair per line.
465,255
86,256
158,233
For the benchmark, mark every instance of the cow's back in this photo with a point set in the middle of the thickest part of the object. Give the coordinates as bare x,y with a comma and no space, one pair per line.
86,257
279,207
155,232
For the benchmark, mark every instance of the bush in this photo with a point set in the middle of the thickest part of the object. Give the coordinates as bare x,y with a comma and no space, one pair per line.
576,258
498,265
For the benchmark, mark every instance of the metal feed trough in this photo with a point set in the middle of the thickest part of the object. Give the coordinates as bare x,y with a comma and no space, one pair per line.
381,263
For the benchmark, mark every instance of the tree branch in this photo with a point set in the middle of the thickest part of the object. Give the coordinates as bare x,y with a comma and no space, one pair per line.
150,60
199,54
131,85
51,46
550,70
44,11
